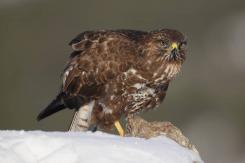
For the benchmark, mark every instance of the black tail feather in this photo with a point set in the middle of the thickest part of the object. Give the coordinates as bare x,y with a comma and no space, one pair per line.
55,106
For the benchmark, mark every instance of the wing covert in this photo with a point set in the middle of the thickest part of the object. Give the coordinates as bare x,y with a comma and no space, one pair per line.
99,57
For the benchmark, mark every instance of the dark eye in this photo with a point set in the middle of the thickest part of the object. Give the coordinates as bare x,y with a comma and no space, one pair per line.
183,45
165,43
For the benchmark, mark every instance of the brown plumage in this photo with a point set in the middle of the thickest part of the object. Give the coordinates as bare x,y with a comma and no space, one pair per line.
119,72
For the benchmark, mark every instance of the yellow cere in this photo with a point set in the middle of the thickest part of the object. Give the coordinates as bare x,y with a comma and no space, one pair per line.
174,45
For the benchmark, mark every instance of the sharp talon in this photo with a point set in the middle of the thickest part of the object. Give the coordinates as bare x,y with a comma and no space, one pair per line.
93,128
119,128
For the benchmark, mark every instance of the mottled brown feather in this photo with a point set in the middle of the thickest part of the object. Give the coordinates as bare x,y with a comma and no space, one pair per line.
122,71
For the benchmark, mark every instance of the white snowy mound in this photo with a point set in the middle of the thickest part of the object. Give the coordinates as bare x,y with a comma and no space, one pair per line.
71,147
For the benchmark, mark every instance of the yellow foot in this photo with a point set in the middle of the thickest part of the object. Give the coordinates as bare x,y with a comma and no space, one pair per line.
119,128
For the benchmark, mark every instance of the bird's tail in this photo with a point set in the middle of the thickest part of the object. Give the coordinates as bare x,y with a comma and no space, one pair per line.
55,106
82,118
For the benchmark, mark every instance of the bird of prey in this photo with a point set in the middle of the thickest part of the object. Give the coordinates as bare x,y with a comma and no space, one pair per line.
118,73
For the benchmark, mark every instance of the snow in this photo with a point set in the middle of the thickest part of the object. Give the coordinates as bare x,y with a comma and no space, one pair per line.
75,147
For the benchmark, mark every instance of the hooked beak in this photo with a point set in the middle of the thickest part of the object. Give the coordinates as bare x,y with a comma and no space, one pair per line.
174,51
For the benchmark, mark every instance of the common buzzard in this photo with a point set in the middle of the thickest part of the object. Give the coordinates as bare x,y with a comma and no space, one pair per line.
118,72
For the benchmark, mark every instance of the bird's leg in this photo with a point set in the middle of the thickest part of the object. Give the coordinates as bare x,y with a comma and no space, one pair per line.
119,128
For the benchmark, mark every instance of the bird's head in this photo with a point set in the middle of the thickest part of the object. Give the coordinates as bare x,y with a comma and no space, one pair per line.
169,45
